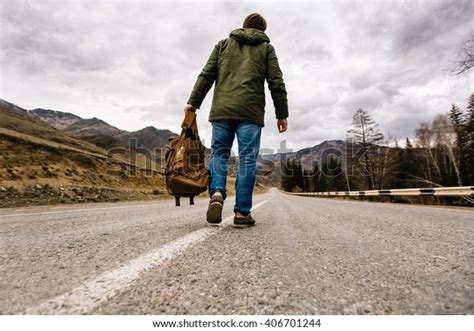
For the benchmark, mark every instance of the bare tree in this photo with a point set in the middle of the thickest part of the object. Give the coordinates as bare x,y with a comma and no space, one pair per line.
388,162
468,146
446,139
345,169
424,140
466,58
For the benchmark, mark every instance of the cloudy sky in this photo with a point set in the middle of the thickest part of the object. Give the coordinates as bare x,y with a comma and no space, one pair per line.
133,63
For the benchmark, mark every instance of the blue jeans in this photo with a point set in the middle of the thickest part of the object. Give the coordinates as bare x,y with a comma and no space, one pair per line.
248,137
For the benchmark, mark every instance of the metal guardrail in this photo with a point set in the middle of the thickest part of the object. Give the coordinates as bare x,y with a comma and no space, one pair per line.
458,191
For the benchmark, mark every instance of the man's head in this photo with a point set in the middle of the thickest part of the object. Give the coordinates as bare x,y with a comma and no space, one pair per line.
255,21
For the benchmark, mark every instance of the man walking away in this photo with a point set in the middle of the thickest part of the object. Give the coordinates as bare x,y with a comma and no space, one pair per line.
239,65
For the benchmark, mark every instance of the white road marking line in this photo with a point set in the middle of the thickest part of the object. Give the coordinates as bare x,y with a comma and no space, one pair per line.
257,205
79,210
83,299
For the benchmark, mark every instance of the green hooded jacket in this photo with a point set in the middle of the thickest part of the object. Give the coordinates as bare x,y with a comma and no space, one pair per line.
240,65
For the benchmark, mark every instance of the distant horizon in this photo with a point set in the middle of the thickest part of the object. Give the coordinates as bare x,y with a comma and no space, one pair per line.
400,141
264,150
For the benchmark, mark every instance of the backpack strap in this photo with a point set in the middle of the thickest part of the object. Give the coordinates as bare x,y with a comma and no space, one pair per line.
188,120
189,123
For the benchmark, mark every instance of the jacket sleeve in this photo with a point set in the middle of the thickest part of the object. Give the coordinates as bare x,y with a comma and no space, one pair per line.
205,79
276,84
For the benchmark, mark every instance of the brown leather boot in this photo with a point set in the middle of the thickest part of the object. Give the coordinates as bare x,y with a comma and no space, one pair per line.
214,211
241,221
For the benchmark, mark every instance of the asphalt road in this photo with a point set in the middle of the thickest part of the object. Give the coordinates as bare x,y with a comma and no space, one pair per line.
305,256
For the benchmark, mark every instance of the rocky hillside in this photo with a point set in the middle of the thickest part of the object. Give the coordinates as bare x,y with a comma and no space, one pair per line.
150,139
42,165
91,127
102,133
312,155
57,119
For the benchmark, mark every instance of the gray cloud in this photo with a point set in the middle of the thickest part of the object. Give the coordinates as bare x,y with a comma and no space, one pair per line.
439,18
134,63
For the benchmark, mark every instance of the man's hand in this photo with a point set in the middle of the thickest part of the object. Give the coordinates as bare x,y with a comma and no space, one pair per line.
282,125
189,107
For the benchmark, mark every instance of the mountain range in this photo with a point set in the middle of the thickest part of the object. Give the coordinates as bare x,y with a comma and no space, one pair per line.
101,132
152,139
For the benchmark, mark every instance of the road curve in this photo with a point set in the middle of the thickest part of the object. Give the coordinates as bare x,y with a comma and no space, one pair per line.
305,256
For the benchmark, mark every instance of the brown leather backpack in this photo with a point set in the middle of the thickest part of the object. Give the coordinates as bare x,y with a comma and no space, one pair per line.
185,171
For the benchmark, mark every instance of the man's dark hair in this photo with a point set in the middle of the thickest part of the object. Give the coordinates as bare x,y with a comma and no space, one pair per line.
255,21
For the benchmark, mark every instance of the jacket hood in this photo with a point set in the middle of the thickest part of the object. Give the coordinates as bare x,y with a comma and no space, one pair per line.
249,36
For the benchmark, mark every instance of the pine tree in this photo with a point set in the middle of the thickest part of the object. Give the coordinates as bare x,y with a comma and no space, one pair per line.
292,176
287,179
404,169
334,175
319,179
298,175
365,133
